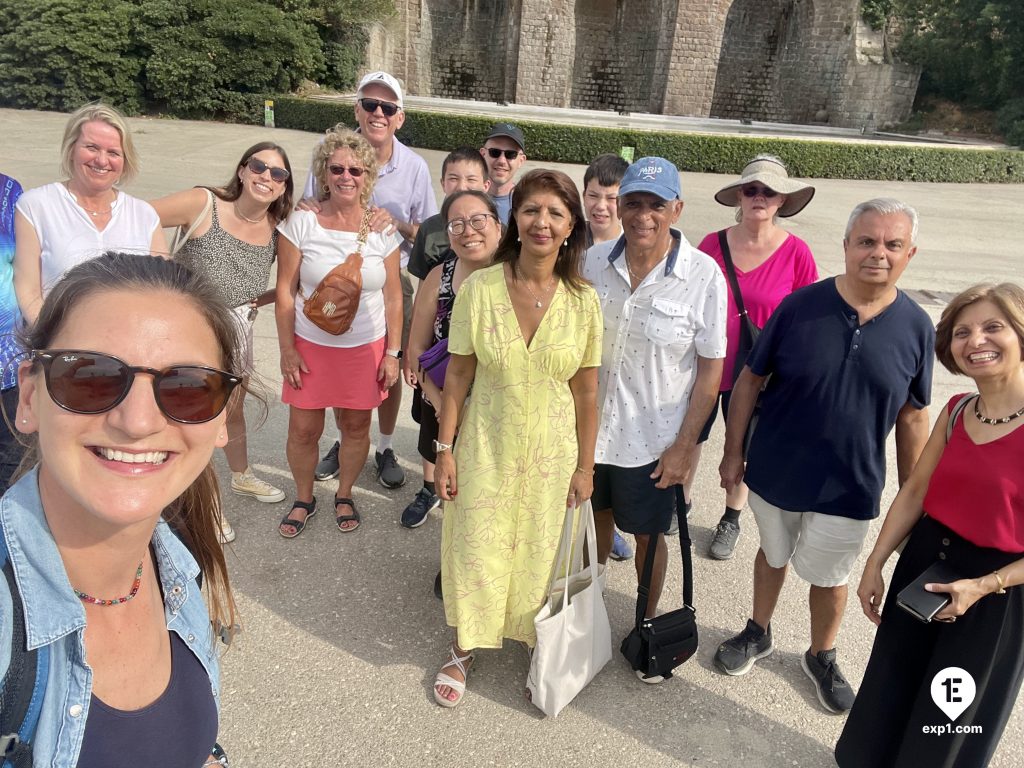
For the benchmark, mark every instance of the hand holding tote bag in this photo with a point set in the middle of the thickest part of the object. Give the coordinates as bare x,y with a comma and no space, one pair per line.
574,638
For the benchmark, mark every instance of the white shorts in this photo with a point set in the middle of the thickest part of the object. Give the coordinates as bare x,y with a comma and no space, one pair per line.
243,327
822,548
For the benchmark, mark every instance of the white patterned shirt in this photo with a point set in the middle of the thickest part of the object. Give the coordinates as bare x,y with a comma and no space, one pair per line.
651,342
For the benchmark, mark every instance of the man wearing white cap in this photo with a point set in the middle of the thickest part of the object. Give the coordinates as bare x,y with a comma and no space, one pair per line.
404,190
664,342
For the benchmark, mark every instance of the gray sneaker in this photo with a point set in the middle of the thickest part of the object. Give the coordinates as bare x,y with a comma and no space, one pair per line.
724,541
328,466
834,692
737,654
389,473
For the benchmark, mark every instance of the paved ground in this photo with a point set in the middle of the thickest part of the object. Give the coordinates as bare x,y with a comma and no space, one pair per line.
342,635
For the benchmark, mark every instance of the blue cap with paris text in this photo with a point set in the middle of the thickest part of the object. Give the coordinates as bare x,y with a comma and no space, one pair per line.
652,174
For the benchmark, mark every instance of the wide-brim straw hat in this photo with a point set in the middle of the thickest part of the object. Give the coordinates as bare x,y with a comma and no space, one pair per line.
771,174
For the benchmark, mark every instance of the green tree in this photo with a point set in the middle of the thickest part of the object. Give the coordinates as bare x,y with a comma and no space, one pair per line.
970,50
60,54
200,53
341,27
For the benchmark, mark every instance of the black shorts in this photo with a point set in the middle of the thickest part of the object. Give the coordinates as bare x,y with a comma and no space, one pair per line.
423,413
636,504
723,398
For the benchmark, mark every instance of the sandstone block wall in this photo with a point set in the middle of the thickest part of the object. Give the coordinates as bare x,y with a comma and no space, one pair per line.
775,60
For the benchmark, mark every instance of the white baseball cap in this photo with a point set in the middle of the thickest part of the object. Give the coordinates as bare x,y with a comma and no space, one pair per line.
381,78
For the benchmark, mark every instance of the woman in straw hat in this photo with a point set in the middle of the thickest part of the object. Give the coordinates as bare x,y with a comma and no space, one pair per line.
770,263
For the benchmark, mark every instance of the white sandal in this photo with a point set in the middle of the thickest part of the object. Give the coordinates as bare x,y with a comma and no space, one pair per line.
459,686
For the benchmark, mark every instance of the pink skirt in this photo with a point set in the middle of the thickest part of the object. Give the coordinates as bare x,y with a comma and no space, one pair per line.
339,377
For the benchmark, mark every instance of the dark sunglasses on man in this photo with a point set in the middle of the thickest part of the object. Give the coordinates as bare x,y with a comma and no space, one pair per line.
370,106
510,154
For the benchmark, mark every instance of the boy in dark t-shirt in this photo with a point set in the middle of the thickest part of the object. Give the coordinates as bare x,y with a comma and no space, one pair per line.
464,168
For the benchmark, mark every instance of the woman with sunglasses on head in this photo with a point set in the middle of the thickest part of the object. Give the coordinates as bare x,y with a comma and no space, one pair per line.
231,238
526,337
473,233
64,223
350,372
960,512
132,362
770,263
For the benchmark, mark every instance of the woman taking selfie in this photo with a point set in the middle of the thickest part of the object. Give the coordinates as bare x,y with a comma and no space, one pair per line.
133,360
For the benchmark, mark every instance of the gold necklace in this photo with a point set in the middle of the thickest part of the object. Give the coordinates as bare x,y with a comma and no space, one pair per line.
90,211
526,285
243,217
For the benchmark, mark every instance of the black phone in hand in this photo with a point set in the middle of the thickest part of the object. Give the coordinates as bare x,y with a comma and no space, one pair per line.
919,602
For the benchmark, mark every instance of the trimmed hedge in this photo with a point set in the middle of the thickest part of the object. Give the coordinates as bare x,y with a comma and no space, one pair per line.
691,152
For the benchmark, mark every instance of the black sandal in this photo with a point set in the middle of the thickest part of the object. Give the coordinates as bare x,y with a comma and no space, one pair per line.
339,519
298,525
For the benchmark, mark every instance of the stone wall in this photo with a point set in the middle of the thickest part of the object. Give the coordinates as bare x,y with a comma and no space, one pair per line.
775,60
622,54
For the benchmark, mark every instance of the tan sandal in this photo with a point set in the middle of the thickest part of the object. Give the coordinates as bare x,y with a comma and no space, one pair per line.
463,664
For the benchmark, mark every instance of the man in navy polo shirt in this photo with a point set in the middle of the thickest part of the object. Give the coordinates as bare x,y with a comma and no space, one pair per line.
849,358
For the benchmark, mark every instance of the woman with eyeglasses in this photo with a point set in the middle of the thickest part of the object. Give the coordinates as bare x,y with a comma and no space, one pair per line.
229,235
62,224
132,362
473,233
525,335
350,372
770,263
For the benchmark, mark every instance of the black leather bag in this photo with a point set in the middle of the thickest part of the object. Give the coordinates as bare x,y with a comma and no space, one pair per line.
748,335
659,645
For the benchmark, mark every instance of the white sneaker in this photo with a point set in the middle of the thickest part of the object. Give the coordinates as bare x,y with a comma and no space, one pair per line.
247,484
227,533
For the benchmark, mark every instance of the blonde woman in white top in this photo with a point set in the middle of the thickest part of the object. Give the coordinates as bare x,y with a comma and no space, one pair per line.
65,223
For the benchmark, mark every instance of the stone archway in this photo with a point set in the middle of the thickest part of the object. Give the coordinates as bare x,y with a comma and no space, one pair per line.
764,70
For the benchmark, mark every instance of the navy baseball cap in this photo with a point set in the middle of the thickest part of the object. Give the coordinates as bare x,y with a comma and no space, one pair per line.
652,174
508,131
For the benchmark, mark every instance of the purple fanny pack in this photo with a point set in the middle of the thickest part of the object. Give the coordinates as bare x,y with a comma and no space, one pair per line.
434,362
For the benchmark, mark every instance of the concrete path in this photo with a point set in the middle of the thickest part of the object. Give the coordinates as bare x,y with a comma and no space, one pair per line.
342,634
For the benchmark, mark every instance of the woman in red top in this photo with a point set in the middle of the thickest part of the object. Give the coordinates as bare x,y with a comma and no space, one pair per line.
963,505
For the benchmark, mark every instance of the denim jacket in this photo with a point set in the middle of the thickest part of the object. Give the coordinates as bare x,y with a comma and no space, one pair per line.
54,616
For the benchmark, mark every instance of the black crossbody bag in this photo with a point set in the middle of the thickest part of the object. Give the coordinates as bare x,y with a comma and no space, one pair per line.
659,645
748,335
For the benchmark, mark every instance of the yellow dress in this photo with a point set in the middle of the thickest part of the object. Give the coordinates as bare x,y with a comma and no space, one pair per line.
514,458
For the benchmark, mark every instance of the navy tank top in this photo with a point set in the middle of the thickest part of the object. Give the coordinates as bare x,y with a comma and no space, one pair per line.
177,730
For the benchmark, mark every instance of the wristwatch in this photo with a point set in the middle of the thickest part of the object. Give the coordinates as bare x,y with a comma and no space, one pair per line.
395,353
441,447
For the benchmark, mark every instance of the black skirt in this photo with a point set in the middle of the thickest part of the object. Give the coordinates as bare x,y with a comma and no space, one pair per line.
894,705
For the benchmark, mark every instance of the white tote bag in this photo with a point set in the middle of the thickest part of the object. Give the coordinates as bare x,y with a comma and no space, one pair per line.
574,638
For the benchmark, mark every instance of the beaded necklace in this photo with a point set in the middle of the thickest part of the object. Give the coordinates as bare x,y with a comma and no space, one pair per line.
117,600
1003,420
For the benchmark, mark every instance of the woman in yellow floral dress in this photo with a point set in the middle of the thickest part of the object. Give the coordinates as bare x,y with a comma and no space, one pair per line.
526,336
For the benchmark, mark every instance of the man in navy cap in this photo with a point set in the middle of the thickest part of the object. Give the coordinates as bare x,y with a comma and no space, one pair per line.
504,151
664,343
